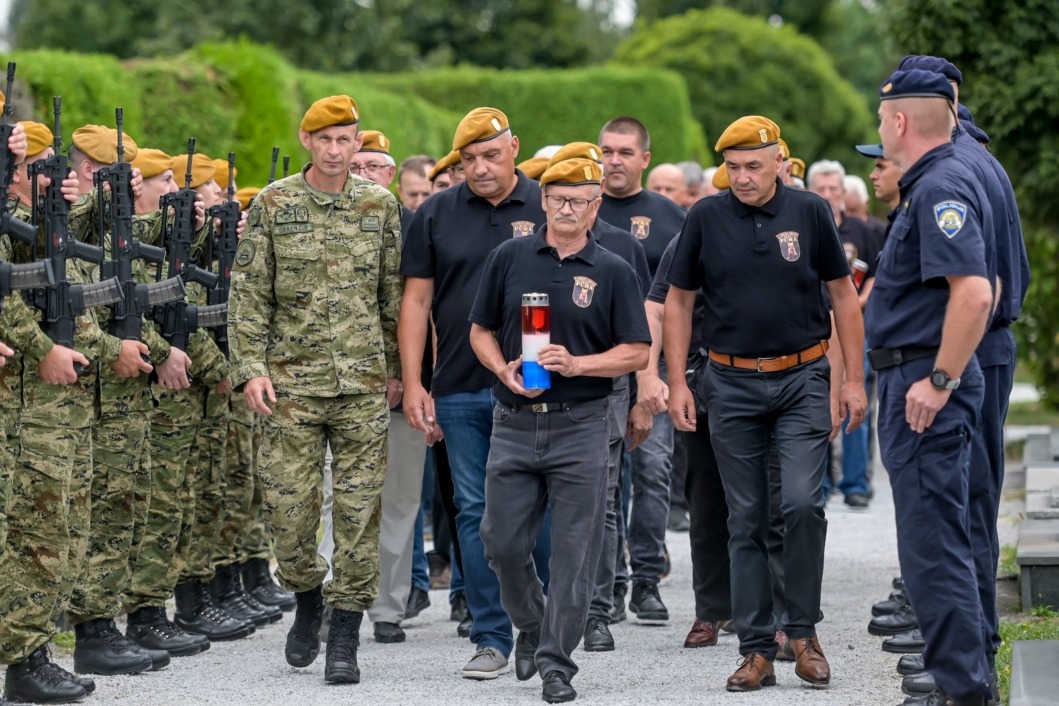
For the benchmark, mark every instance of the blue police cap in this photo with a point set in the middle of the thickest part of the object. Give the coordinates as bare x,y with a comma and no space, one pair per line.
974,131
916,83
932,63
964,113
872,151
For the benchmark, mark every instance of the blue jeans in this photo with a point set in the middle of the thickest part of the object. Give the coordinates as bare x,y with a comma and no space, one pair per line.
420,568
854,457
652,469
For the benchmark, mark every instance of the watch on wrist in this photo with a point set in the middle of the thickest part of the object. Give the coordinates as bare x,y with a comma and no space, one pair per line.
941,380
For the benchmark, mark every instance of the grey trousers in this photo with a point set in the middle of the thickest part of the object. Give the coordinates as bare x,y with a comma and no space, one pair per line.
556,459
603,594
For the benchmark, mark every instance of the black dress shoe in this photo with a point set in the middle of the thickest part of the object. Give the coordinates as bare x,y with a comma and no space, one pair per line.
910,664
598,637
891,605
418,601
388,633
895,623
458,606
857,501
907,643
937,698
464,628
526,654
646,602
918,683
557,688
898,583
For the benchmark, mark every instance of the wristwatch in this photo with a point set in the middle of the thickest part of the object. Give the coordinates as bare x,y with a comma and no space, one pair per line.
941,380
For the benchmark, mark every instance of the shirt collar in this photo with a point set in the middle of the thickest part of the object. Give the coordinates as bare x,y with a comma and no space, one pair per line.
325,198
924,163
771,207
521,194
586,254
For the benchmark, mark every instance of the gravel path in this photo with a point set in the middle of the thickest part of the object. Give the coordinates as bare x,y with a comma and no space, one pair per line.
649,665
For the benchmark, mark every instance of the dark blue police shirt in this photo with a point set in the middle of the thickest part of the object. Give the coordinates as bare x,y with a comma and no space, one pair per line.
653,219
761,269
448,240
595,305
938,232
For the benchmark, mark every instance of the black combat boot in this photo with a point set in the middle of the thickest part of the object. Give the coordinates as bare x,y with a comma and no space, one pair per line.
342,641
303,639
101,649
151,629
196,614
38,680
227,594
259,584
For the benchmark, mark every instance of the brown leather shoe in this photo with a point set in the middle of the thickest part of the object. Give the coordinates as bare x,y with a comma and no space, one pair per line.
703,634
811,664
755,671
784,651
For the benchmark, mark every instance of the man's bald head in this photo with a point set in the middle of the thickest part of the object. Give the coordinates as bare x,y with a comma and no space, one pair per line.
668,180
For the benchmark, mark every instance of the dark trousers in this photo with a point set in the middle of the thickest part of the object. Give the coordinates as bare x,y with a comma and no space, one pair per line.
929,475
556,459
603,593
747,410
444,513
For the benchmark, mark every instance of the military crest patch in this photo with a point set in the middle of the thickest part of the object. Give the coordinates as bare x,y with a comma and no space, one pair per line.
789,246
950,215
520,229
584,287
640,226
370,224
245,253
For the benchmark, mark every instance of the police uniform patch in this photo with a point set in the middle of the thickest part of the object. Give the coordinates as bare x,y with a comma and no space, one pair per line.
789,246
370,224
583,290
520,229
950,215
245,253
640,226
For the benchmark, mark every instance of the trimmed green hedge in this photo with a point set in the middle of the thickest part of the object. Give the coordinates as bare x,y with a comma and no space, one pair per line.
244,97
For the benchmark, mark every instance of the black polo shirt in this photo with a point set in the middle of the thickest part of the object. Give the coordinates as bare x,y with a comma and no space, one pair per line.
859,243
761,270
595,305
448,241
624,245
660,290
653,219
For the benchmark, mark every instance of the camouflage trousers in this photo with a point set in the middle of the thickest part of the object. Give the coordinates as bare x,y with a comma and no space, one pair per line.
294,441
121,489
237,500
155,570
202,514
35,570
9,437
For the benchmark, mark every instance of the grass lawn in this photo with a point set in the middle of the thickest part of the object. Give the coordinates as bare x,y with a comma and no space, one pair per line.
1028,413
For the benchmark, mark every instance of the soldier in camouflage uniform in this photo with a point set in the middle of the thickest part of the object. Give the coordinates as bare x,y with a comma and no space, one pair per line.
313,331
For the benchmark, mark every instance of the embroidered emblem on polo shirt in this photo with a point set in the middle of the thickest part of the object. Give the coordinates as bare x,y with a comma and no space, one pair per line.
789,247
583,289
640,226
949,215
851,251
520,229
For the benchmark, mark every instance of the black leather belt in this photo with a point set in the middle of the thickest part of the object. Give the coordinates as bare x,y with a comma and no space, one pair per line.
883,358
542,407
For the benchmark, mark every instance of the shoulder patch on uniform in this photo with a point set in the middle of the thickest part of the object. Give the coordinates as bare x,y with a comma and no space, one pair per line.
370,224
253,216
950,215
245,253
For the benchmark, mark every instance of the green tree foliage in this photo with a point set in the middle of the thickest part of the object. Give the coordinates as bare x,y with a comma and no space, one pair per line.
809,16
333,35
736,65
1009,55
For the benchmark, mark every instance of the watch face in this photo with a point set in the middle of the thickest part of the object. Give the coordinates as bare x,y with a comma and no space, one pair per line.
938,379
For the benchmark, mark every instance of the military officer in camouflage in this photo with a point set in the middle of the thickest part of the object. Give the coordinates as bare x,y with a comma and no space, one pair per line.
313,334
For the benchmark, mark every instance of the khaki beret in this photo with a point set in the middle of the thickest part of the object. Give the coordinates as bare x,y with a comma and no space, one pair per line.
153,162
39,137
573,172
479,125
333,110
100,143
245,195
784,149
720,178
3,100
447,162
375,141
750,132
534,167
202,169
797,168
577,150
220,173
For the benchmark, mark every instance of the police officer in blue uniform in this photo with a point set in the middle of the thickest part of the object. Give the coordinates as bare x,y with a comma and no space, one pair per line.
996,353
933,297
550,447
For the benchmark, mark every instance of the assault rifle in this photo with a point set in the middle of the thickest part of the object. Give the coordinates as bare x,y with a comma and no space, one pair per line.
224,241
272,167
28,276
8,223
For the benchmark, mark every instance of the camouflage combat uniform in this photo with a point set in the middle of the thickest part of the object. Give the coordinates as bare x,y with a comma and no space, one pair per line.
314,302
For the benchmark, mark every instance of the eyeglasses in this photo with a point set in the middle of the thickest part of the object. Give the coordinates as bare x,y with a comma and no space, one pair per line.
358,168
576,205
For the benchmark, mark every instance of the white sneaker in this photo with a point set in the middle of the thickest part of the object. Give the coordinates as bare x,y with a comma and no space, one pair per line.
487,663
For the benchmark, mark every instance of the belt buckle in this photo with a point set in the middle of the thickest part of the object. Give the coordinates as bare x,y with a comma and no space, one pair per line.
539,407
897,357
759,361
